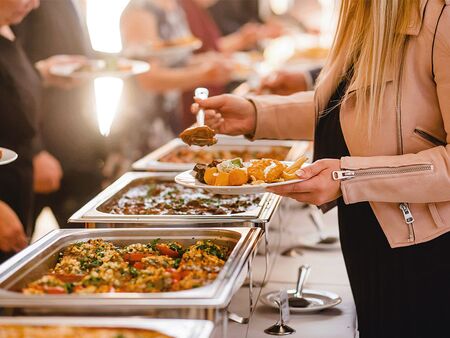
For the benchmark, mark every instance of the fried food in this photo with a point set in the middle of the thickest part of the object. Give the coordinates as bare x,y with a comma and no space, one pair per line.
296,165
266,170
235,172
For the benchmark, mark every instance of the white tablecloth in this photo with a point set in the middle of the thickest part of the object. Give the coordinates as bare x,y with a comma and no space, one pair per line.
328,273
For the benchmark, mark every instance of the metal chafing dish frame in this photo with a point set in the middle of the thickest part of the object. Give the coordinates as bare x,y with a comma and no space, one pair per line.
91,216
176,328
151,162
207,302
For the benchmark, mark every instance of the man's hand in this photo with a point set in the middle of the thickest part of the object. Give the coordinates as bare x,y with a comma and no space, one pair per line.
284,83
47,173
12,235
63,82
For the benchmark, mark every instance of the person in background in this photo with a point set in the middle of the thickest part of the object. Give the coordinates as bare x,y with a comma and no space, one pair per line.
68,168
380,119
288,82
20,91
231,15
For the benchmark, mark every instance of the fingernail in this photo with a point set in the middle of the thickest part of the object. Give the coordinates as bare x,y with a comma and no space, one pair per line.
300,173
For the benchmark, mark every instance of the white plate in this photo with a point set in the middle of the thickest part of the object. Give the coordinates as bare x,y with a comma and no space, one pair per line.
7,156
187,179
69,69
320,300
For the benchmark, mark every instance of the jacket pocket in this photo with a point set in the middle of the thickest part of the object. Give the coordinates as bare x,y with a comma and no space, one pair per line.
429,138
436,215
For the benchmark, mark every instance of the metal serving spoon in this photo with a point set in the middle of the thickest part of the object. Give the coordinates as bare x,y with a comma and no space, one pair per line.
297,299
200,135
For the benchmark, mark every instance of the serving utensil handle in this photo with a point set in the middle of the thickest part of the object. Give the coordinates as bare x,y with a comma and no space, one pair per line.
303,273
201,93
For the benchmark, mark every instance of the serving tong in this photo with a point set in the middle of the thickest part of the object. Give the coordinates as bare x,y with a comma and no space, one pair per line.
199,135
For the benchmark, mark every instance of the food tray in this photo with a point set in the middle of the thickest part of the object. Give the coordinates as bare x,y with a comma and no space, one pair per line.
37,259
151,161
90,212
176,328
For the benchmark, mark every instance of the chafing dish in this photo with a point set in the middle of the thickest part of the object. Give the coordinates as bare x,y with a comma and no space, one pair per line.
91,215
176,328
152,162
199,303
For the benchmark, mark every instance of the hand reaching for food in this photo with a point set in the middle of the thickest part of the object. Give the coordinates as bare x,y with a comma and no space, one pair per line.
228,114
12,235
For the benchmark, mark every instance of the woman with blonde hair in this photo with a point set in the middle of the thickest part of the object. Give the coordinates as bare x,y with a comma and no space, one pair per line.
380,118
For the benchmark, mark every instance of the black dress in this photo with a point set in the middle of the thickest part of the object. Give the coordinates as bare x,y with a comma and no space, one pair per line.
19,103
67,125
402,292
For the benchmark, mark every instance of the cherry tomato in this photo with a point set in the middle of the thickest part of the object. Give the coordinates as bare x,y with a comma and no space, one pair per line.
69,278
54,290
134,256
139,265
165,250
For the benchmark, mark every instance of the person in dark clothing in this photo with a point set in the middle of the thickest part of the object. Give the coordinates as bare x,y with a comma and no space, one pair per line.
231,15
19,102
68,129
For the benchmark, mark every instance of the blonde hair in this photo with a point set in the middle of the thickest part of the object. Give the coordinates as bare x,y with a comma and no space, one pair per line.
371,39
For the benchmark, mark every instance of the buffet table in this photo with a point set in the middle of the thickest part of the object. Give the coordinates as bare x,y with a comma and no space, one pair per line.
328,273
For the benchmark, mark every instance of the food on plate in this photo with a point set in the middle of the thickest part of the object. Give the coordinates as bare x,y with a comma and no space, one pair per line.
149,197
189,155
1,154
156,266
65,331
107,65
199,136
235,172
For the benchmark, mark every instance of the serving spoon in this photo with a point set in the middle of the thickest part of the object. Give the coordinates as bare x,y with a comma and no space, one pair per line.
297,299
200,135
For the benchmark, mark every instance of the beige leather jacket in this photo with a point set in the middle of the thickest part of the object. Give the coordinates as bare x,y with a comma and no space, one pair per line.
405,174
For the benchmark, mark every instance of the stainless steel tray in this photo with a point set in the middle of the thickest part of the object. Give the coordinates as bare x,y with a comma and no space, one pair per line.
176,328
90,213
151,161
38,258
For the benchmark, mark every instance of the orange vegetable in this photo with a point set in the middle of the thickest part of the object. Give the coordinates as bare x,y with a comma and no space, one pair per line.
222,179
209,176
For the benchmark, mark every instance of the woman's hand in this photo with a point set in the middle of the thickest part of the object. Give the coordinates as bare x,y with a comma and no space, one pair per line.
318,188
228,114
284,83
12,235
63,82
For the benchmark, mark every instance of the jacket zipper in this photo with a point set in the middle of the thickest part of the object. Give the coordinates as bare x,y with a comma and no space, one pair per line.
429,138
409,220
349,174
406,211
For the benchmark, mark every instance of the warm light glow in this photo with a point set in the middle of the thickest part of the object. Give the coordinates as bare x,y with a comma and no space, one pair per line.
107,96
280,7
279,51
103,21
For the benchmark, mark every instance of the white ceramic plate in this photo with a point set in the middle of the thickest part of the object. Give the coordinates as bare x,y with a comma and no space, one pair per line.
187,179
69,69
7,156
320,300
